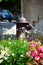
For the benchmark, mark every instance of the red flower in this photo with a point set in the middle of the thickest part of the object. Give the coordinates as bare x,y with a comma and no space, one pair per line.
40,49
37,57
34,53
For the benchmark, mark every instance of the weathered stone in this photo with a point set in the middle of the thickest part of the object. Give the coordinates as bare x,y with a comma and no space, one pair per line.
32,9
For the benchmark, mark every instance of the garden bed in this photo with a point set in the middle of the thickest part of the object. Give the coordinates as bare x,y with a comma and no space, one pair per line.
20,52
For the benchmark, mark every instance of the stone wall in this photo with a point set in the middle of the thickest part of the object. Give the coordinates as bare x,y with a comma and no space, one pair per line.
33,9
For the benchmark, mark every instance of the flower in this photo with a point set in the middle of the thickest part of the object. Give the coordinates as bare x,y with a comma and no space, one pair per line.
9,42
34,53
37,45
31,44
24,41
41,55
37,57
40,49
12,54
1,60
21,56
3,54
5,58
30,39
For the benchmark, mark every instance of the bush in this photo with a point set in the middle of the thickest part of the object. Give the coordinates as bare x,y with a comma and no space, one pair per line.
13,52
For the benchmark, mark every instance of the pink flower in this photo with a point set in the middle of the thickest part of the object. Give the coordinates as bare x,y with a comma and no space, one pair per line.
34,53
28,53
37,57
41,55
31,44
40,49
39,43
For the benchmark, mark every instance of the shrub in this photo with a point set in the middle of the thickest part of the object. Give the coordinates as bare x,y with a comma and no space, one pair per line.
13,52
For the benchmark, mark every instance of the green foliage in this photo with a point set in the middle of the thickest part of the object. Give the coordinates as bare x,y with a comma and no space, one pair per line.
17,52
0,0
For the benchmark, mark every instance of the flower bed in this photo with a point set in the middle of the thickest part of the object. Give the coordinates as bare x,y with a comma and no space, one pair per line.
21,52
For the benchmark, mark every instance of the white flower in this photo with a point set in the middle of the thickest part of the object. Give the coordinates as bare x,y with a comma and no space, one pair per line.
26,52
1,60
21,56
5,58
7,55
1,56
24,41
12,54
9,42
3,52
